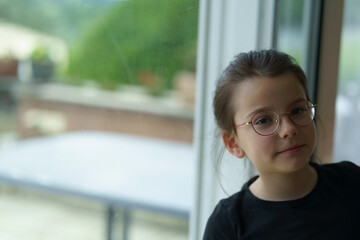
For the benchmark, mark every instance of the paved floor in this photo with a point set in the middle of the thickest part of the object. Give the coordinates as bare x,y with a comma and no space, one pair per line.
28,215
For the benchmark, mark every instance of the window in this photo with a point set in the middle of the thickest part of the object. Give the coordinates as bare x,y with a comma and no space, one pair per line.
86,88
347,132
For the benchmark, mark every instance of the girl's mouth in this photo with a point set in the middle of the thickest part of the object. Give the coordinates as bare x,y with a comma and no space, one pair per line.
292,150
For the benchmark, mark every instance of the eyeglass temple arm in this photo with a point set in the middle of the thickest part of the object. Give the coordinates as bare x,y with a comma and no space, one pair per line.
245,123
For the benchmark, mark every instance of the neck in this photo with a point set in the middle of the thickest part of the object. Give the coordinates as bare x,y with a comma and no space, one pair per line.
287,186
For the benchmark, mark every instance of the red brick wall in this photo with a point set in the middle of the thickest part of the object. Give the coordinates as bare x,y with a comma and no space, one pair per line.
80,117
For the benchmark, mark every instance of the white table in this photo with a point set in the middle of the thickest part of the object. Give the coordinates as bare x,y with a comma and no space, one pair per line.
116,170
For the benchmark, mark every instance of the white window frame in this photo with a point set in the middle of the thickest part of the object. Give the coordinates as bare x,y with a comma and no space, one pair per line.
225,29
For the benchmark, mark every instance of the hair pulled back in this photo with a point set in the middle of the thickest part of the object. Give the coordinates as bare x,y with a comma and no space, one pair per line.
264,63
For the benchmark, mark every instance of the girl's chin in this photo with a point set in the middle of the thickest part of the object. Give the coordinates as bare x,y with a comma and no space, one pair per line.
293,164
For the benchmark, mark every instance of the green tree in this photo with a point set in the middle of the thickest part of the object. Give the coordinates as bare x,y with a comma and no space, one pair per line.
155,37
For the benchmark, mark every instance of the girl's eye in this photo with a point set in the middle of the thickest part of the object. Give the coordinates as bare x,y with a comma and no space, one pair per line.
263,120
298,111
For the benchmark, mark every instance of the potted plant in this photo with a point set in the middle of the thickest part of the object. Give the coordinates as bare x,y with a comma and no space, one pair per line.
42,65
8,65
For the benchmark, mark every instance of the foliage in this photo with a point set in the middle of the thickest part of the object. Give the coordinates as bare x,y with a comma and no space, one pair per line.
349,59
41,54
138,41
290,12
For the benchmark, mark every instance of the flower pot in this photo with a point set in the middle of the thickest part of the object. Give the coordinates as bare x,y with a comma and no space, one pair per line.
8,68
42,72
185,86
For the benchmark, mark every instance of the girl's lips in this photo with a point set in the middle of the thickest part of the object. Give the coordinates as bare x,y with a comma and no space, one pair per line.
292,149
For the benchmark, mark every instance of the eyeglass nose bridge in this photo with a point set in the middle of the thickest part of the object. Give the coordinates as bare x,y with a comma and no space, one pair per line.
279,121
280,116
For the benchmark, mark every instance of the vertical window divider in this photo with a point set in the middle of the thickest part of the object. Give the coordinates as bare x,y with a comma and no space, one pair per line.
328,68
312,34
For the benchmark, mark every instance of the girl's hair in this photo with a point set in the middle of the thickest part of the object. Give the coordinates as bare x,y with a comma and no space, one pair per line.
264,63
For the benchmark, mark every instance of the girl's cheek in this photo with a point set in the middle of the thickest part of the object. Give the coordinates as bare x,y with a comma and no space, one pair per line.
263,144
267,144
313,136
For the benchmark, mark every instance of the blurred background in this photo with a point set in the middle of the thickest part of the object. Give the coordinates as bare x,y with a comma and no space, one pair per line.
129,67
75,59
123,67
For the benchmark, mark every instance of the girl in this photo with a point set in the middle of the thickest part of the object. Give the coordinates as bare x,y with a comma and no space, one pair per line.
263,109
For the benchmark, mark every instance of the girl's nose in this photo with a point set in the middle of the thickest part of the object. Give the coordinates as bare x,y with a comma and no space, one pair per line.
287,128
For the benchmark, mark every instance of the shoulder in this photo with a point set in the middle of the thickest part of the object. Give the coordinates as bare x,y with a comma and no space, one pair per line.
342,168
344,171
223,222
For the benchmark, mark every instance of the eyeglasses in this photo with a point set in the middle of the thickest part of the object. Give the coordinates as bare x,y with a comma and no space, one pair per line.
267,122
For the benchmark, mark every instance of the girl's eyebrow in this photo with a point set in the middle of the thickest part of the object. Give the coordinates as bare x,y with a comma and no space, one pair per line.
271,108
258,110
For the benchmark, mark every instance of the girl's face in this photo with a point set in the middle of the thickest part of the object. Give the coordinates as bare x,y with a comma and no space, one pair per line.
290,147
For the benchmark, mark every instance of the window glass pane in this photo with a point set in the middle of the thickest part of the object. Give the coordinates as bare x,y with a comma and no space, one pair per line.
347,131
96,111
290,28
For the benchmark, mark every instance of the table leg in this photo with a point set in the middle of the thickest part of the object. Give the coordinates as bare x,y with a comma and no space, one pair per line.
126,224
110,223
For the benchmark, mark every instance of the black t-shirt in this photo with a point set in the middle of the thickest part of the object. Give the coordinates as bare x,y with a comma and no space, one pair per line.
330,211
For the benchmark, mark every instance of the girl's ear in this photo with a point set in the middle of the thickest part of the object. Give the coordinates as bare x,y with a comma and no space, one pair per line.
232,145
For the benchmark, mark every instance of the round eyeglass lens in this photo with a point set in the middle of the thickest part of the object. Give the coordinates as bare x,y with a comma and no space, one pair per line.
302,113
265,123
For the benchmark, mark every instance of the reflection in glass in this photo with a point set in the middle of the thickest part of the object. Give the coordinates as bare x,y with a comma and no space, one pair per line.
347,129
290,28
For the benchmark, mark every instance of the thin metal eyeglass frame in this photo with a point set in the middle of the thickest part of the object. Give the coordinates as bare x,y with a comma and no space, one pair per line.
279,118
